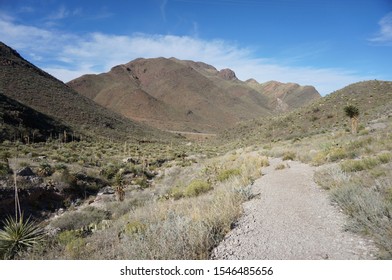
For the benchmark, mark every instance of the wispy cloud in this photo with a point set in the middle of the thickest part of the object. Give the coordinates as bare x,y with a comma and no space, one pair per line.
68,56
384,36
63,12
163,9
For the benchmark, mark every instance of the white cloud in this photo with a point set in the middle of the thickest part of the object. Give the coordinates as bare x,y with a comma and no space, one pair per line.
68,56
384,36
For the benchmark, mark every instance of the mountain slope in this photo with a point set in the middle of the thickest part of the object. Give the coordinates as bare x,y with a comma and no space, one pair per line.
19,122
175,94
373,98
29,85
285,96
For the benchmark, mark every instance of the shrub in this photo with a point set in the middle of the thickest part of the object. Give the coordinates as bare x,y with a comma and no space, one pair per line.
142,182
18,235
5,169
289,155
134,227
264,162
280,166
384,157
337,153
359,165
79,219
197,187
176,192
226,174
45,170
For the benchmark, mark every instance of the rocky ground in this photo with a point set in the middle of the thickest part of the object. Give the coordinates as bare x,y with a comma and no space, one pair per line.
292,218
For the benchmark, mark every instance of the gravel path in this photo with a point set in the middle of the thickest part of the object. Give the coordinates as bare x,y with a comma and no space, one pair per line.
292,219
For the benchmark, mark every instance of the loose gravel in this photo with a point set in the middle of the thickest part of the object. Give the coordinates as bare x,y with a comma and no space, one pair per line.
292,218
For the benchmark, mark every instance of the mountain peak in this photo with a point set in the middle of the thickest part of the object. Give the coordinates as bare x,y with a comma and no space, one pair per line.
227,74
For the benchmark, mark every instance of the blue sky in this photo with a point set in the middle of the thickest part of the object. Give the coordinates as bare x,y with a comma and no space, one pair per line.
325,43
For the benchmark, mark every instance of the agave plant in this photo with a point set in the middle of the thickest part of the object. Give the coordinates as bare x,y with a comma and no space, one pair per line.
18,235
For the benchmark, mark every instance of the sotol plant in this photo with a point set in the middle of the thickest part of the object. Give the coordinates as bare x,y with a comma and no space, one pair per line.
18,235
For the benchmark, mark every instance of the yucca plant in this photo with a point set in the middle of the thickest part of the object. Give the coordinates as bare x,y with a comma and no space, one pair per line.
18,235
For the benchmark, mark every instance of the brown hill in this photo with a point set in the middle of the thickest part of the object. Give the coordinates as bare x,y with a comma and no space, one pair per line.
32,87
177,95
285,96
373,99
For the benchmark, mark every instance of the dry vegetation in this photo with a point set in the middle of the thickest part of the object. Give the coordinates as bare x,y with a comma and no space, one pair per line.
178,202
172,200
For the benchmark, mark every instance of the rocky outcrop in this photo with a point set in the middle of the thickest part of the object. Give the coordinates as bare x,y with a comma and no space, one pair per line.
227,74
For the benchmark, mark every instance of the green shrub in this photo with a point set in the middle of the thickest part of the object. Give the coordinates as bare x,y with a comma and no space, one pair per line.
359,165
226,174
5,169
79,219
197,187
142,182
176,192
67,236
134,227
338,153
384,157
45,170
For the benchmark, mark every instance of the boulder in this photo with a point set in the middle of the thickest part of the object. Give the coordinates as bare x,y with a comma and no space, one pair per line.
25,171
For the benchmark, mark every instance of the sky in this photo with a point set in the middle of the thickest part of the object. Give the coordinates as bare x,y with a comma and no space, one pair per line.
325,43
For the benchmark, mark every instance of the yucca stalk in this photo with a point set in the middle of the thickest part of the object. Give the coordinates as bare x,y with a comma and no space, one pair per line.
18,235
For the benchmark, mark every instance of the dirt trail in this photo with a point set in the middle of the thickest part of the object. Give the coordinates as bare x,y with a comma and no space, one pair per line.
292,219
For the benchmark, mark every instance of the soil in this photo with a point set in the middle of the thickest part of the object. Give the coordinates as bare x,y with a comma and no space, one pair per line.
292,218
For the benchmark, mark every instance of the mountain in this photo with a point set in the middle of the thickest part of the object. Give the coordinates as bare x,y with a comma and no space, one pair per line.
372,98
285,96
19,122
181,95
25,83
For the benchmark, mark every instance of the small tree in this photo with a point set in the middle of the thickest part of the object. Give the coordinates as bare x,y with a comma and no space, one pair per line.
352,112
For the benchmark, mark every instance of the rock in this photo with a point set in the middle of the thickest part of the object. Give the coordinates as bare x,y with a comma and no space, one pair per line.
131,160
25,171
106,190
376,126
227,74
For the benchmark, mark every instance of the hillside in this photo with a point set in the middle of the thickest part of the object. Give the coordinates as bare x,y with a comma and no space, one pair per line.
180,95
19,122
285,96
373,98
32,87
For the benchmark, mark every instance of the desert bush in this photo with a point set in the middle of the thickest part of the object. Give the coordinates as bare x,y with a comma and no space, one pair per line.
223,175
176,192
359,165
338,153
331,178
74,220
289,155
370,214
384,157
264,162
5,169
142,182
134,227
280,166
197,187
45,169
73,243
